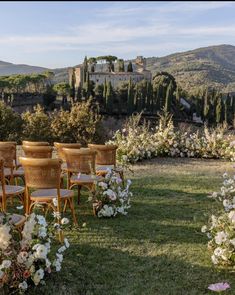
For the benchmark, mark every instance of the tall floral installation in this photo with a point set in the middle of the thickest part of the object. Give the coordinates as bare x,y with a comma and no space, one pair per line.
138,141
111,196
221,227
27,259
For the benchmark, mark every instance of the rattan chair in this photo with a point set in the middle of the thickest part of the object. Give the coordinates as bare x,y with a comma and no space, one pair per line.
8,154
37,151
59,148
9,191
80,169
17,164
43,176
105,158
40,143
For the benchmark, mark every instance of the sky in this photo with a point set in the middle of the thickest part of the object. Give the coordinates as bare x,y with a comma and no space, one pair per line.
59,34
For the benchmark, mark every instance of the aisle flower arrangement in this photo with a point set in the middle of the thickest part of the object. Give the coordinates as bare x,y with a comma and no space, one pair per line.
111,196
221,228
138,141
26,259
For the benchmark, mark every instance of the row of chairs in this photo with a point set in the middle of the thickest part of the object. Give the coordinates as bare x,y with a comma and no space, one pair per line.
43,174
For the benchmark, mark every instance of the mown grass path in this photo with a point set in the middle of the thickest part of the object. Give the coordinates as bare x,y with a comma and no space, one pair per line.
158,249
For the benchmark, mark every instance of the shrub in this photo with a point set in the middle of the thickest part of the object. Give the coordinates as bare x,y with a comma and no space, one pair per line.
10,124
80,124
37,125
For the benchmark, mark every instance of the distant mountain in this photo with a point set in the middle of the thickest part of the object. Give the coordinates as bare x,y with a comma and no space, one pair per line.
7,68
213,66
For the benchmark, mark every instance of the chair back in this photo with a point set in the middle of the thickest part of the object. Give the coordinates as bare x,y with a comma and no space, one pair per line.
14,143
59,148
80,160
37,151
7,153
40,143
2,184
106,154
41,173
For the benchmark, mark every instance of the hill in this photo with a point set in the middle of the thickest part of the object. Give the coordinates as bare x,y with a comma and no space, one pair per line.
213,66
7,68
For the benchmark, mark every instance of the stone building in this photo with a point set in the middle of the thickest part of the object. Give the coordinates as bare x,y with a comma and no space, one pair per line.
102,74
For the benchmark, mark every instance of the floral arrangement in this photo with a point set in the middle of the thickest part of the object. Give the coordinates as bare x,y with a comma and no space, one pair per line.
221,228
138,141
26,259
111,196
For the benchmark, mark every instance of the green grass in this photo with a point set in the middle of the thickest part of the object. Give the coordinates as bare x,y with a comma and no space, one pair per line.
157,249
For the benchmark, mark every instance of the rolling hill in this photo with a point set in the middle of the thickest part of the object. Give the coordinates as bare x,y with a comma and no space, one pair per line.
7,68
213,66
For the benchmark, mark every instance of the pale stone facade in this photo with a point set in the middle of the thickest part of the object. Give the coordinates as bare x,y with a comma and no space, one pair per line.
99,77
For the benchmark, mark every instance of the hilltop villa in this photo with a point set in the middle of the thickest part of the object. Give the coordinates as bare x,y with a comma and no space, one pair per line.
98,77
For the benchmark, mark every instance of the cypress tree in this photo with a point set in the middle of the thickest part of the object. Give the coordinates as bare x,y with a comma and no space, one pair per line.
218,110
85,70
104,89
206,105
129,67
73,81
149,95
130,98
121,67
169,94
109,98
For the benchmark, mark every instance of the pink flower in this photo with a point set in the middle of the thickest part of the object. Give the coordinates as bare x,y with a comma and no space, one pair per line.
219,287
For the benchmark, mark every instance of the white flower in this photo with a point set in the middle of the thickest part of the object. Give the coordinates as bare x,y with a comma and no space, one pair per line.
66,242
38,276
56,214
214,259
204,229
111,194
61,249
23,285
41,220
233,242
64,220
55,202
5,236
103,184
231,216
59,257
5,264
57,265
225,175
220,237
19,207
41,251
218,251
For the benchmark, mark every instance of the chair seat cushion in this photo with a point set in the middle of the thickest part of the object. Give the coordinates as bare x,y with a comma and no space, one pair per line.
51,193
12,190
15,219
84,178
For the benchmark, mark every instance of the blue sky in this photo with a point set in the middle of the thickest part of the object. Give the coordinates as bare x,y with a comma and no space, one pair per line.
58,34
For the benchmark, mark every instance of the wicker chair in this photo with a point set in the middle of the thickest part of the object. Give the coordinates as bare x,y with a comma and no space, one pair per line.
105,158
17,164
80,168
40,143
59,148
8,154
37,151
43,176
9,191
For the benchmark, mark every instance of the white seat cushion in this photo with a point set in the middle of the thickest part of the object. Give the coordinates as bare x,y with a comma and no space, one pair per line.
51,193
12,190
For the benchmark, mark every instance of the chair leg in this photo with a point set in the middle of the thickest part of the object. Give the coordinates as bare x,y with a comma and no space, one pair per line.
79,194
65,206
71,205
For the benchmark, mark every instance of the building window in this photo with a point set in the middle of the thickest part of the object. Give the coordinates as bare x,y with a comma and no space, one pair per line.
97,80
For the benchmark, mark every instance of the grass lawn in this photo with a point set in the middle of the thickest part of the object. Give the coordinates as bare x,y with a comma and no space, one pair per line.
158,248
